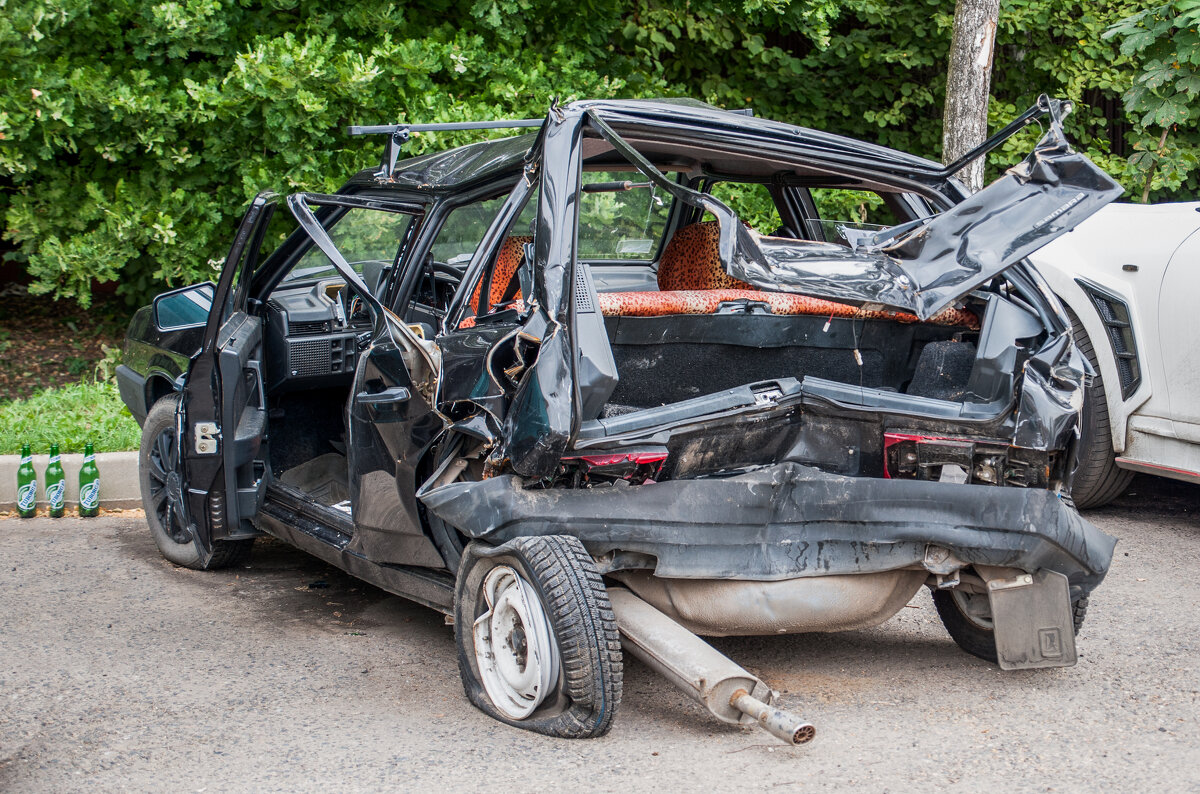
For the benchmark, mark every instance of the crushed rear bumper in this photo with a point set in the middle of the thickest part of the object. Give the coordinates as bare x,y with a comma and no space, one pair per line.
786,521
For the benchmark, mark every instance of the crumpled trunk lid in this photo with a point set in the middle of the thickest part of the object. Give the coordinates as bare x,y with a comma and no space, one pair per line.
924,267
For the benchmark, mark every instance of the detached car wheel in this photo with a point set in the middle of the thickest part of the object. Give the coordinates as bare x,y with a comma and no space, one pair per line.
537,639
1098,480
968,619
161,479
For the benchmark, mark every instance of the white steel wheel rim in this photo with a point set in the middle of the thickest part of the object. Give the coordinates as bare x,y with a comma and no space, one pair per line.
514,645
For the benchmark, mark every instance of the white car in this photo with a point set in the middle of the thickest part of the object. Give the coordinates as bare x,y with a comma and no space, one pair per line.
1130,279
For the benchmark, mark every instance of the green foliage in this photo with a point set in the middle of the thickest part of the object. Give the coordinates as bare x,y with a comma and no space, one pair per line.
70,416
134,133
1166,45
751,202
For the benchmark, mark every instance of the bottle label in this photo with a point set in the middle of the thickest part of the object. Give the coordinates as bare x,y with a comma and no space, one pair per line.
26,496
89,495
26,460
53,460
55,494
89,458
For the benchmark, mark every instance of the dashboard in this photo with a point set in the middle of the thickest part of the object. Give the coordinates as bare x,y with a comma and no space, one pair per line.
313,335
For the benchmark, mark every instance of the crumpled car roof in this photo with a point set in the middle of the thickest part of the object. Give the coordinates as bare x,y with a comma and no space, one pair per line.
454,168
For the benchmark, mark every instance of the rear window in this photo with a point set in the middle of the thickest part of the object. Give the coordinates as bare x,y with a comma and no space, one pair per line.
855,209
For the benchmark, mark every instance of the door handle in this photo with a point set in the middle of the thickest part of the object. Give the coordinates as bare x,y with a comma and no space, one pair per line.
396,394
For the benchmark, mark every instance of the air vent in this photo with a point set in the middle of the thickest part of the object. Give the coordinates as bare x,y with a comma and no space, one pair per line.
1114,314
308,327
583,291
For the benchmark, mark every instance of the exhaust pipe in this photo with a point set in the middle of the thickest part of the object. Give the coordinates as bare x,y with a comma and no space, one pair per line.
709,677
776,722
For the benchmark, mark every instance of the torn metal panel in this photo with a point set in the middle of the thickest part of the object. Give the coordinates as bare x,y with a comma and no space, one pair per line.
1051,397
788,521
918,266
544,405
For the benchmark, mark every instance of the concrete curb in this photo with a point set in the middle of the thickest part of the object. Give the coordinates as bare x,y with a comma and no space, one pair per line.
119,487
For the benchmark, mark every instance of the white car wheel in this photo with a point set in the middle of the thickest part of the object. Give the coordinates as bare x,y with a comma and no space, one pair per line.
515,646
537,640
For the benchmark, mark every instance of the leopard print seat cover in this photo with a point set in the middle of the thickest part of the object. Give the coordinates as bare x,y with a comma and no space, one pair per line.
691,261
512,250
692,280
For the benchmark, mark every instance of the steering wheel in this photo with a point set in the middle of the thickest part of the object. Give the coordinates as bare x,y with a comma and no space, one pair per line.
449,272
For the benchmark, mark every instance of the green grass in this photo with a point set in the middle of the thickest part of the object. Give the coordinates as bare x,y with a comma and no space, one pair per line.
70,416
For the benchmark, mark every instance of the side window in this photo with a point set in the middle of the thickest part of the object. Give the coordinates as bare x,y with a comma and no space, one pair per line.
752,203
622,216
443,268
498,287
464,228
857,209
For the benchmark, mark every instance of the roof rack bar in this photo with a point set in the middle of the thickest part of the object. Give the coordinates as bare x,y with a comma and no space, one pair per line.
450,126
398,134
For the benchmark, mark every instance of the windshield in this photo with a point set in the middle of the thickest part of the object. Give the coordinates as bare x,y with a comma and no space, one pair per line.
364,236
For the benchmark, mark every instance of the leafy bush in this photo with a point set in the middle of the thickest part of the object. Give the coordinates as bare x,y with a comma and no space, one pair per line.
1164,90
133,133
70,416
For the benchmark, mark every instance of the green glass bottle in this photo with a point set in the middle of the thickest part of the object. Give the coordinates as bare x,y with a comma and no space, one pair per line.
89,484
56,483
26,485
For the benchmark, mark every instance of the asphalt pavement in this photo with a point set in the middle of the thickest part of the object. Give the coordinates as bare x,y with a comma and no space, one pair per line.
120,671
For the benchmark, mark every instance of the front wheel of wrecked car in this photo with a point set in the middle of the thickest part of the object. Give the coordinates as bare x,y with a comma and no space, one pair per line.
968,619
537,639
161,479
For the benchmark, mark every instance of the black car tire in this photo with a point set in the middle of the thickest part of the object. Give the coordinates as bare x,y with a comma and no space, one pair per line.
156,459
1097,479
582,698
974,638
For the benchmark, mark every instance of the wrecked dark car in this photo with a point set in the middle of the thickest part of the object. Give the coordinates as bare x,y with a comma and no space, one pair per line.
558,387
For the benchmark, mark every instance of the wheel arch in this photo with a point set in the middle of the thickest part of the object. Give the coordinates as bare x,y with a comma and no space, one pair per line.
158,385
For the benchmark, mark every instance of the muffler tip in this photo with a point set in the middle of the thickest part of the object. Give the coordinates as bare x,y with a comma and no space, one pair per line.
776,722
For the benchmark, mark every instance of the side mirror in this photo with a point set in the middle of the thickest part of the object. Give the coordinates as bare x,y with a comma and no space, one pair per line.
186,307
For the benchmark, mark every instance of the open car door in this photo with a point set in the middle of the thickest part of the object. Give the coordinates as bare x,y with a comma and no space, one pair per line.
391,420
222,417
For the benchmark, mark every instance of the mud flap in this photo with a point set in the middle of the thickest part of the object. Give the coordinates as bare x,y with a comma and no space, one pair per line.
1033,621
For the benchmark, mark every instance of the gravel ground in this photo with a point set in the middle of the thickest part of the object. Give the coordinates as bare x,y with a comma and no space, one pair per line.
120,671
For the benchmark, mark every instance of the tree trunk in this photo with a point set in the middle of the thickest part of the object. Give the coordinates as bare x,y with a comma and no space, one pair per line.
968,82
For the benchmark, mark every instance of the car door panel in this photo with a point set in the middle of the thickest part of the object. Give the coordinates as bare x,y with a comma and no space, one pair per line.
222,419
390,420
390,426
1176,330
